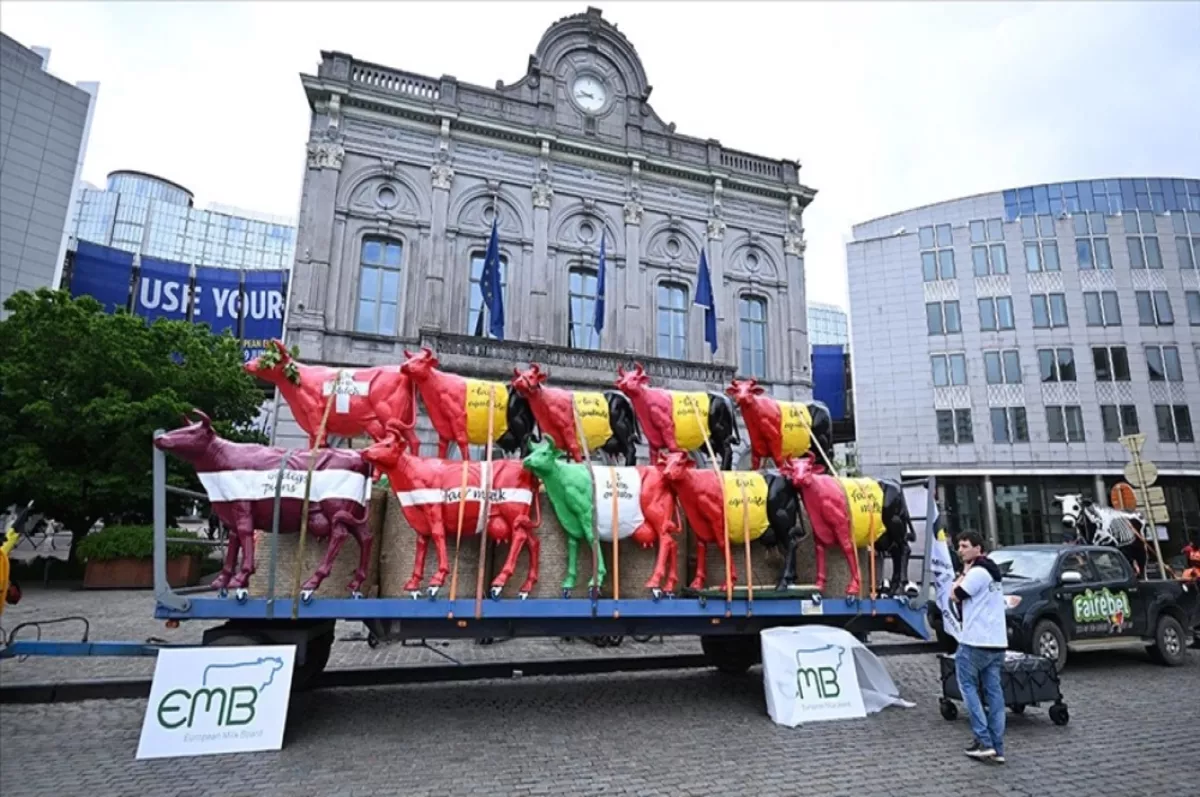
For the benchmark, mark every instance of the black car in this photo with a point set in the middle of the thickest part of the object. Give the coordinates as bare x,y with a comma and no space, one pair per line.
1084,597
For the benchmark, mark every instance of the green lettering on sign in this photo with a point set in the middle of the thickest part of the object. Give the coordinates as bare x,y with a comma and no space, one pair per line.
1101,606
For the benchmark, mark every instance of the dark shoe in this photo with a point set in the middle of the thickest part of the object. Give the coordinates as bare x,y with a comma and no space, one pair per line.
979,752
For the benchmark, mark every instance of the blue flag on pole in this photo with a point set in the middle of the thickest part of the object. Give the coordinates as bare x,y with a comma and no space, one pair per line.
598,321
704,298
491,287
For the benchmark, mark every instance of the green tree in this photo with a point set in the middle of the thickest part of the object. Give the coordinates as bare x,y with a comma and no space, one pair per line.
82,391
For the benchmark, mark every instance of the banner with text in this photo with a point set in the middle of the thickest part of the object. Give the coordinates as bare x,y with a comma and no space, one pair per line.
265,296
103,273
162,290
218,298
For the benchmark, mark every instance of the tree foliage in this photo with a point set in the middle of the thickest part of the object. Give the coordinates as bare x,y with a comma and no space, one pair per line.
82,391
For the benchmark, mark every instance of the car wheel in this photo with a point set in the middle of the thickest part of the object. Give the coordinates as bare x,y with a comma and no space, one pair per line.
1168,648
1049,643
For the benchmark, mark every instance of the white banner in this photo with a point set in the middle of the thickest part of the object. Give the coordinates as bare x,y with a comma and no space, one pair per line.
255,485
629,501
813,673
941,568
217,700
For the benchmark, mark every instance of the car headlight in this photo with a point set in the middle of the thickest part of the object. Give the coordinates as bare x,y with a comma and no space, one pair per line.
1012,601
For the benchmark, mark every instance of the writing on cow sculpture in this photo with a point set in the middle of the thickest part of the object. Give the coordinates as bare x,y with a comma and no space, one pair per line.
678,421
781,430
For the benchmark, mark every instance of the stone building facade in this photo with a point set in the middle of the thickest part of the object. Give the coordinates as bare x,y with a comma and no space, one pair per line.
406,174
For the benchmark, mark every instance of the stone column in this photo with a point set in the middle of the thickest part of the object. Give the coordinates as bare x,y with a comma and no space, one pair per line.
316,273
991,531
433,313
1098,487
800,365
630,326
726,345
539,307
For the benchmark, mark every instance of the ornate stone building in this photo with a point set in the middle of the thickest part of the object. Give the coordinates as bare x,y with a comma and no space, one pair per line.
406,173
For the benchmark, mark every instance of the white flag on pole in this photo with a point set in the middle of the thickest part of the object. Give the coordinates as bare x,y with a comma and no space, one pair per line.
941,566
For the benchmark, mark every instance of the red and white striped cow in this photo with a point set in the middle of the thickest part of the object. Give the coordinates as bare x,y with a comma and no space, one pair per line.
458,407
365,399
241,478
429,491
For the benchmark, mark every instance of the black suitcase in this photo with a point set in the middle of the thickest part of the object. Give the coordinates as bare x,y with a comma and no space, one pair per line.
1025,680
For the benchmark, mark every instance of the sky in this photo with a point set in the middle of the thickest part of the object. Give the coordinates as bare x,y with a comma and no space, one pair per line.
886,106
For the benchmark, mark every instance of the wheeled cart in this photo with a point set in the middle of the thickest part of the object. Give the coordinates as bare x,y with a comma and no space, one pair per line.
1026,681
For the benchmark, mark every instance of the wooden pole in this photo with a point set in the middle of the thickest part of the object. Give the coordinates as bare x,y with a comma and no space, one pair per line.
485,505
712,460
746,540
612,476
1137,463
462,507
312,461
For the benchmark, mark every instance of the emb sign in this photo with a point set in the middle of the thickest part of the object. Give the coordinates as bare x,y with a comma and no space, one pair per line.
809,683
217,700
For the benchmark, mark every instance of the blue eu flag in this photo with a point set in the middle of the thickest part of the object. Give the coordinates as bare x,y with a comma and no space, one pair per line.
491,287
704,298
598,321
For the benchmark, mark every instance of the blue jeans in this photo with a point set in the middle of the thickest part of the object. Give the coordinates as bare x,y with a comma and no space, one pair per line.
980,667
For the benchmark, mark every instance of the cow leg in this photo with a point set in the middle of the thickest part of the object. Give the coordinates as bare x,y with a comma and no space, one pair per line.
534,546
438,532
701,579
599,571
498,530
362,535
660,562
245,534
630,452
232,546
568,583
820,556
418,573
726,455
443,447
464,448
788,577
755,460
851,555
337,537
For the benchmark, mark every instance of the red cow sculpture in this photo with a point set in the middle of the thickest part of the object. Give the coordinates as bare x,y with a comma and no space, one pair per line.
366,399
458,407
608,420
853,513
781,430
241,479
670,423
712,505
429,490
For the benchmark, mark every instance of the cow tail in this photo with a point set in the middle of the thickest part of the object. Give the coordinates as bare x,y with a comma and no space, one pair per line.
347,517
537,504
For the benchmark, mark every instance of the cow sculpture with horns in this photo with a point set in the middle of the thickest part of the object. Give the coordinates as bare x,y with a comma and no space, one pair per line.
608,420
241,479
365,399
782,430
1102,525
674,420
458,408
429,491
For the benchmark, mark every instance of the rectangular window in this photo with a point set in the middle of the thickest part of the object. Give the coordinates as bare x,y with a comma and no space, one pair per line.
946,264
1058,310
752,323
949,369
1102,308
672,321
378,287
1009,425
1049,310
963,427
1174,423
477,314
978,231
987,314
1187,257
943,318
1064,424
954,427
1056,365
937,258
1118,421
1002,367
999,258
1083,252
1137,256
1111,363
929,266
582,284
1041,311
1192,300
941,370
979,260
1164,364
1153,253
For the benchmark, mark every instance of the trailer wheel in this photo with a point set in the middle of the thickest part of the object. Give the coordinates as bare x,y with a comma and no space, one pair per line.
1168,646
731,654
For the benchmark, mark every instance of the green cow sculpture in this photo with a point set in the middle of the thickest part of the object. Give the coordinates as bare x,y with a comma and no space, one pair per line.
644,512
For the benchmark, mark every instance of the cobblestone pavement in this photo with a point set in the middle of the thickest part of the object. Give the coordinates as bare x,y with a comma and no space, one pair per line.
660,733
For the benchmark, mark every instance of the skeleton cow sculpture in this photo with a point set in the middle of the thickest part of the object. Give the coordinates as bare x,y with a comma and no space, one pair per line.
608,420
241,478
365,400
1102,525
848,513
429,492
714,507
670,423
458,408
644,508
782,430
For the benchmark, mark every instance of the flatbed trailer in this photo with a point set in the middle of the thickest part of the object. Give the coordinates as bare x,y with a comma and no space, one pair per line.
728,629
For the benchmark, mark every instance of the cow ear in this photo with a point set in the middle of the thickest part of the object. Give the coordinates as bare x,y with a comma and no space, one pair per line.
732,389
516,373
621,371
407,354
758,390
542,376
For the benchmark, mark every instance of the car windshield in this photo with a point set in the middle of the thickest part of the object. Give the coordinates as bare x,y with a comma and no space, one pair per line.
1025,565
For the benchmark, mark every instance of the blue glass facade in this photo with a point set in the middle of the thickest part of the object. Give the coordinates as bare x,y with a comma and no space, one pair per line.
827,326
155,217
1120,195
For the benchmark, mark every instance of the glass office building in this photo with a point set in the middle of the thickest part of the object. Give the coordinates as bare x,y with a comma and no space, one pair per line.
151,216
1005,342
827,325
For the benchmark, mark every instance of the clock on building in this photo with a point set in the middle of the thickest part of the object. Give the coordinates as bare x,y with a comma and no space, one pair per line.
589,93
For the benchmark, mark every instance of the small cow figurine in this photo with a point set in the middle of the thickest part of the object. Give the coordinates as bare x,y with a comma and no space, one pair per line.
782,430
1102,525
679,421
711,504
429,491
849,513
609,423
365,399
458,408
241,479
645,512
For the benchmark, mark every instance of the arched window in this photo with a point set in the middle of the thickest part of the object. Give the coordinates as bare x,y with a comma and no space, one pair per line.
477,316
752,335
379,286
672,317
581,309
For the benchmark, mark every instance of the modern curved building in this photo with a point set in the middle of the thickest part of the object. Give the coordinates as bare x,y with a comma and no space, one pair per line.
1005,341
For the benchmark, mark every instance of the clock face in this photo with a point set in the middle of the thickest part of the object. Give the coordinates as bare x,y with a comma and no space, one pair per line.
589,93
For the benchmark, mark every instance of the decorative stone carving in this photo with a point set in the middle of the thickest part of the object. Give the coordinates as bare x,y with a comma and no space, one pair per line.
716,223
441,171
326,155
633,212
794,225
794,244
716,229
542,192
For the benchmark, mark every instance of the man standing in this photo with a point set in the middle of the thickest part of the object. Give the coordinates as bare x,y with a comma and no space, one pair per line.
981,645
